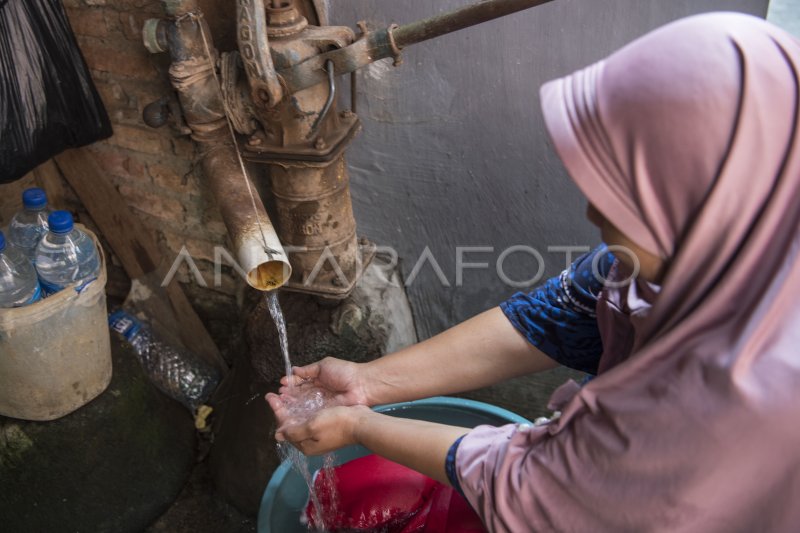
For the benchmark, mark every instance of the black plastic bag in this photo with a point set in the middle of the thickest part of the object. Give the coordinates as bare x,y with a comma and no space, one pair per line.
48,102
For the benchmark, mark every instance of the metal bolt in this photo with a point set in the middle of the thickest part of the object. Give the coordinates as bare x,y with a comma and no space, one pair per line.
336,282
320,143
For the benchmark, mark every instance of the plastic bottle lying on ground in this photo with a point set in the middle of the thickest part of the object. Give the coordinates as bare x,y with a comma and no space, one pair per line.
179,373
18,283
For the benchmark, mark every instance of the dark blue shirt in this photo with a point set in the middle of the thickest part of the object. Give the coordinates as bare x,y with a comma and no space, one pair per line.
559,316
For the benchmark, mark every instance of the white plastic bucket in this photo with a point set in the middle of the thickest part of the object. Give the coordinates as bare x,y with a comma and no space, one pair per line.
55,355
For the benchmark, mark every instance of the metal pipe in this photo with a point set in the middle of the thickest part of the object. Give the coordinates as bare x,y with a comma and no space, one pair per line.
461,18
387,42
258,250
193,75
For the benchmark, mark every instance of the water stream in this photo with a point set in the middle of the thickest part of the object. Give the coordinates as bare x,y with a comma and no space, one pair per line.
277,316
303,404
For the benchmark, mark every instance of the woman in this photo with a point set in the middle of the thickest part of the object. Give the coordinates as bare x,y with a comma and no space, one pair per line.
686,144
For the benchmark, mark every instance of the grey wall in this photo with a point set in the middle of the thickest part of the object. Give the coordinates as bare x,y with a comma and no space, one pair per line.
786,14
454,151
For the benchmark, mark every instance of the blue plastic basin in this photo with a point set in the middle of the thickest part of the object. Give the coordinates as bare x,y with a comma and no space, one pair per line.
286,493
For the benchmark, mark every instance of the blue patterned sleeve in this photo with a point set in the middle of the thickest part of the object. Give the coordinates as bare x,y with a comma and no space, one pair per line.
450,466
559,316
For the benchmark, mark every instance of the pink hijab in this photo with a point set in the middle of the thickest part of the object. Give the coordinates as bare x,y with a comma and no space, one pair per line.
687,140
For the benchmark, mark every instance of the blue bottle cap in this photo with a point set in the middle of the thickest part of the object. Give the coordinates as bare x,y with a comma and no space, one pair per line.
60,221
2,241
34,198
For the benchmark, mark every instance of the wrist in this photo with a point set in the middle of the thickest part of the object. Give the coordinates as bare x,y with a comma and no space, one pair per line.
368,379
361,418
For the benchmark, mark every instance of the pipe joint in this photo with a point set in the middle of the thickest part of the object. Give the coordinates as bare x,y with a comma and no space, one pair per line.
154,35
184,74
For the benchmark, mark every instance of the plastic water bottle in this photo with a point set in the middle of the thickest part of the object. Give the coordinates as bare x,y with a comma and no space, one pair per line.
18,283
178,372
65,255
29,225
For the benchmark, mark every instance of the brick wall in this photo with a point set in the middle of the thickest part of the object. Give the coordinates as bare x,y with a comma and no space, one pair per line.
152,168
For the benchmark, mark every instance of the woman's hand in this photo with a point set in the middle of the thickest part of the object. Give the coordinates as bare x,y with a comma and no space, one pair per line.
324,431
344,380
417,444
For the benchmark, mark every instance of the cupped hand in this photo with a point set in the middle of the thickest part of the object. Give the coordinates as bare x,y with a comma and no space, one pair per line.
344,380
321,432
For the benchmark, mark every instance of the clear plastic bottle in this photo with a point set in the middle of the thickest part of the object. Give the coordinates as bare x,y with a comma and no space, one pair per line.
29,225
65,255
176,371
18,283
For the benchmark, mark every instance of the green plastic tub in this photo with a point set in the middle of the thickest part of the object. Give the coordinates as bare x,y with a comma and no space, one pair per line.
286,493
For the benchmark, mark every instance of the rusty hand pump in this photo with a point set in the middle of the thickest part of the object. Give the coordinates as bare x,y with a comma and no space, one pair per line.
277,93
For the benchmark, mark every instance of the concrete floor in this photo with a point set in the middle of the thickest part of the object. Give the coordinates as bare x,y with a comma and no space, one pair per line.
199,509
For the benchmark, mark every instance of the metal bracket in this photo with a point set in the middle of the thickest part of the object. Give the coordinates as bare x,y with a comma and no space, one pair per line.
398,60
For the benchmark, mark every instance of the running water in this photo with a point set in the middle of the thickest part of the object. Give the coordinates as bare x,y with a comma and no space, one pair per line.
277,316
302,402
299,462
325,502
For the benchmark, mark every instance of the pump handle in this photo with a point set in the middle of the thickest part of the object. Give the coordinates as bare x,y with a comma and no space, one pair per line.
388,42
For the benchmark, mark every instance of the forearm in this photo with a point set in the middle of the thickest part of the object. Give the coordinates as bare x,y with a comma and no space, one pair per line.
419,445
481,351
